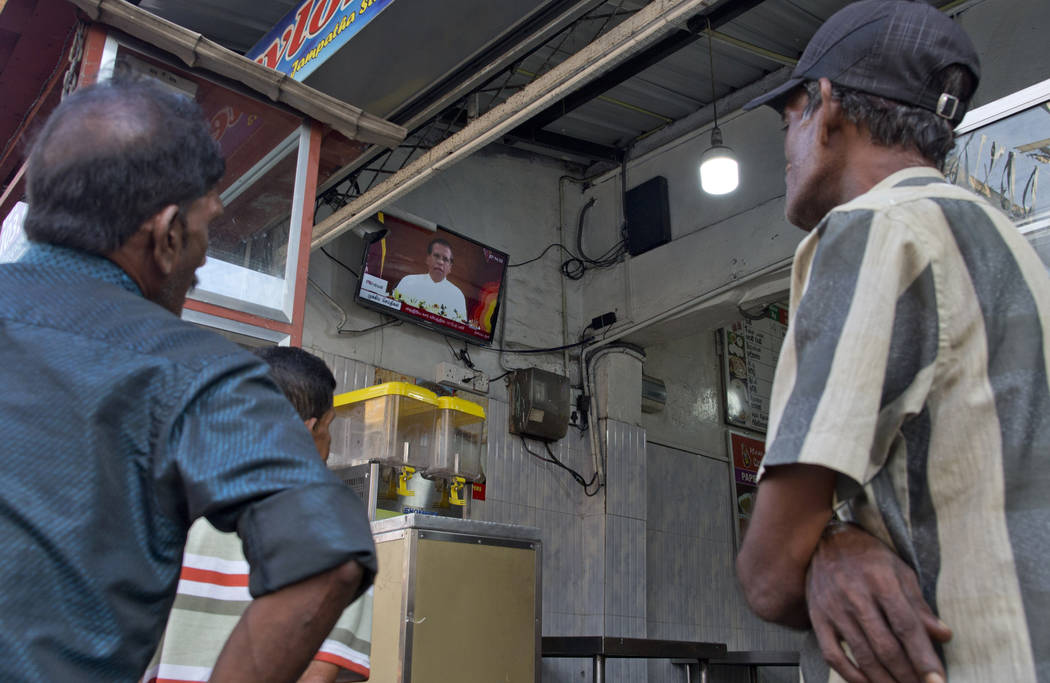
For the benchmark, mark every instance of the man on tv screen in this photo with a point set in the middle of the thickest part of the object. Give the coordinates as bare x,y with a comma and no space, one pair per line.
431,290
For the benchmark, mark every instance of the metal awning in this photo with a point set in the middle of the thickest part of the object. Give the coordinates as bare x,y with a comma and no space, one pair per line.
198,52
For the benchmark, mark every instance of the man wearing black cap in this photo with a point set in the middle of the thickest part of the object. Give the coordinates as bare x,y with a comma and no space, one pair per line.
912,390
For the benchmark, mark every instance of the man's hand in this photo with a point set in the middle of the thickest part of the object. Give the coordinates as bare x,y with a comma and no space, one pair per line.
280,632
859,591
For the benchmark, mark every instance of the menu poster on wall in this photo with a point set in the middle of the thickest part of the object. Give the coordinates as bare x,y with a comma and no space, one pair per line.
751,348
746,453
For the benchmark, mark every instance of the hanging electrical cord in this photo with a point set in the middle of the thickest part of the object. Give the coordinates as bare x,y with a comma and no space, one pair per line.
462,355
611,257
553,460
342,321
577,265
499,377
579,230
352,271
542,254
547,350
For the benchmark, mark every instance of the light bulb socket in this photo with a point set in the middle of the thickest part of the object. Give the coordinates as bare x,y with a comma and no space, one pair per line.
717,152
716,137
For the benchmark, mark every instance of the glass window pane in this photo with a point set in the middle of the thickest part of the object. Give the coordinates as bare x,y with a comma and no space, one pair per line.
253,231
1005,161
249,244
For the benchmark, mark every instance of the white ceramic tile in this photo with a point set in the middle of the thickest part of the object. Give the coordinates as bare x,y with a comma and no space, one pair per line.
565,670
625,566
626,671
626,467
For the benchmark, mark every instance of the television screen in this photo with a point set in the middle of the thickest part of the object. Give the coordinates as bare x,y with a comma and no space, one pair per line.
427,274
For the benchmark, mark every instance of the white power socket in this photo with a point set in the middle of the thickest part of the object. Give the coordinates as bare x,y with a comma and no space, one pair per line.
464,378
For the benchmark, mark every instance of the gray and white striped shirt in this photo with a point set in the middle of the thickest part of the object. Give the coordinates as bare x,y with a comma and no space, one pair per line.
916,367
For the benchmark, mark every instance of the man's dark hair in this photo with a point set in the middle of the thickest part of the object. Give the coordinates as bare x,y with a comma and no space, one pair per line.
112,155
438,240
303,377
893,124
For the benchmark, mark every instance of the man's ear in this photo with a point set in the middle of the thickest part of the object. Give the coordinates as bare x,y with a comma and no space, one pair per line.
166,235
310,424
830,111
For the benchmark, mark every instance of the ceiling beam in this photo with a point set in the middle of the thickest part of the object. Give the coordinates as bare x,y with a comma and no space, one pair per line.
692,125
600,56
695,122
659,51
570,145
540,34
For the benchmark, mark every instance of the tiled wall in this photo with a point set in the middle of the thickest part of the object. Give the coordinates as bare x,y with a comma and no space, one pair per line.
649,556
523,490
349,374
692,592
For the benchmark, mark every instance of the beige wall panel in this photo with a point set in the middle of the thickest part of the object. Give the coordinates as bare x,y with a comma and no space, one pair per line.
467,595
387,611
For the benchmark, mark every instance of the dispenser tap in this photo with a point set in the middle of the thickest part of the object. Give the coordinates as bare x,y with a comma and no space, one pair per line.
403,476
455,491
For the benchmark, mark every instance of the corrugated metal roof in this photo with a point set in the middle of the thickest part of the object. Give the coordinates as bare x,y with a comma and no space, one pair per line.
747,47
197,51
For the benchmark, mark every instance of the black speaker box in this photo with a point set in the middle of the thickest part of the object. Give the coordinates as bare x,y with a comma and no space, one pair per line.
648,216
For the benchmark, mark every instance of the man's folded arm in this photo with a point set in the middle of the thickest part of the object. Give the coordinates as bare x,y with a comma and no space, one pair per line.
311,554
280,632
793,506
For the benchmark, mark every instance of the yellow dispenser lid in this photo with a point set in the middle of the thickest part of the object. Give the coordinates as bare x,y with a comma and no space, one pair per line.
461,405
388,389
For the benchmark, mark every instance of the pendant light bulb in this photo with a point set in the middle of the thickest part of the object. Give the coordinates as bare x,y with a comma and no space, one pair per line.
719,170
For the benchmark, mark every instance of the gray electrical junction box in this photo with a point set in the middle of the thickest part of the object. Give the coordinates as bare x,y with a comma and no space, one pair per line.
539,404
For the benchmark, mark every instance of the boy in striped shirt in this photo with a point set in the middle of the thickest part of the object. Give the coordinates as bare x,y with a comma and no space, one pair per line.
213,586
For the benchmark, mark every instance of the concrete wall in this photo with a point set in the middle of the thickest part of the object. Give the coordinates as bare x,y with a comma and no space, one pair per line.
1010,36
594,547
501,198
650,555
716,240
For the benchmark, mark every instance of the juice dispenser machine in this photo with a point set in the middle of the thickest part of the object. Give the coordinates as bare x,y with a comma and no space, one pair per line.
459,438
404,450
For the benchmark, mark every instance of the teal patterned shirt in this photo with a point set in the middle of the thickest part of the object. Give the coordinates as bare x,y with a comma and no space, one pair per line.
120,424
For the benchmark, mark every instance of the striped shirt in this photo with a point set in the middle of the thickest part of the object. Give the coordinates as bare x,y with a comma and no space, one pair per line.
915,367
212,595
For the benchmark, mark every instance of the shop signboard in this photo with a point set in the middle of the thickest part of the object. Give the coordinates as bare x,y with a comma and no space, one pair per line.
746,453
313,32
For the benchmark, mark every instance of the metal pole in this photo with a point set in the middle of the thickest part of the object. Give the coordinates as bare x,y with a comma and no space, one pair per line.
373,489
599,669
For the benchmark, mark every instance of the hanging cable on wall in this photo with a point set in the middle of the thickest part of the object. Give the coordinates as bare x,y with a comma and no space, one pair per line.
553,460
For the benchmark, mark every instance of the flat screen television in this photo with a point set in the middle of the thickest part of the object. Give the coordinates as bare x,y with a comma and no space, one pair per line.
427,274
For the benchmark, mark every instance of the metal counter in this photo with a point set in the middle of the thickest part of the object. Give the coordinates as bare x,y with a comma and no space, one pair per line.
456,600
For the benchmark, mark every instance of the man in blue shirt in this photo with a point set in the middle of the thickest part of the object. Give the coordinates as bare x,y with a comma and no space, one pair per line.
121,424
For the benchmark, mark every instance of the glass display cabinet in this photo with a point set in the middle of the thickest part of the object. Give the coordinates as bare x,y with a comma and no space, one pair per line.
253,285
1002,152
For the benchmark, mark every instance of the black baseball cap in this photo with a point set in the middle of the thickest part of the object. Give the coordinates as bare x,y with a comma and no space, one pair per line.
889,48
